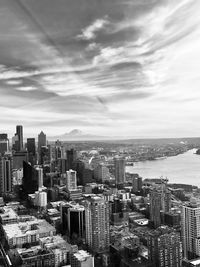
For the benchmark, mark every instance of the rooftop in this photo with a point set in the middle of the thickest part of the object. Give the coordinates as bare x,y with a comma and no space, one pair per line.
82,255
54,242
32,251
35,226
7,213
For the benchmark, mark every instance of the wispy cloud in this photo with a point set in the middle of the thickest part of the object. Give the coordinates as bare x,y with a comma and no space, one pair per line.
104,64
89,33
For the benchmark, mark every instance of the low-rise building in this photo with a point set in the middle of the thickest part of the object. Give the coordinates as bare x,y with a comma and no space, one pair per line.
36,256
60,248
21,233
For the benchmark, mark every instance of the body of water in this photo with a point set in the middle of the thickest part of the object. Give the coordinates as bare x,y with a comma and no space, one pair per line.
184,168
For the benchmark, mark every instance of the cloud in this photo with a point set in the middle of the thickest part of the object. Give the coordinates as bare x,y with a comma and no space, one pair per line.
89,33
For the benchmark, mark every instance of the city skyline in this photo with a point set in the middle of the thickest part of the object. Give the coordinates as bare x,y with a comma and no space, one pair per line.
109,68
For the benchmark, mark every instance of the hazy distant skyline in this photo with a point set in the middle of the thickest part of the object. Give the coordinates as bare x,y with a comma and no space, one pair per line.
107,67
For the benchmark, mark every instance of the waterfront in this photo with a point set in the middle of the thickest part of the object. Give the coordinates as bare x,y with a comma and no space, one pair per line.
184,168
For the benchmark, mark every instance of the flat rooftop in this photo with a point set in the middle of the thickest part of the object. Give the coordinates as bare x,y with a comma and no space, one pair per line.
7,213
35,226
54,241
82,255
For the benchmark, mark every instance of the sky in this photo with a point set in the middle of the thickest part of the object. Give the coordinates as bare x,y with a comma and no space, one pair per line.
106,67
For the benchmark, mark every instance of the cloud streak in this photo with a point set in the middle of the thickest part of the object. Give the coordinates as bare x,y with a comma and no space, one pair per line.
100,63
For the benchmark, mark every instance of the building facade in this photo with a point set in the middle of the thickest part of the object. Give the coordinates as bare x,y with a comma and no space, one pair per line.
97,223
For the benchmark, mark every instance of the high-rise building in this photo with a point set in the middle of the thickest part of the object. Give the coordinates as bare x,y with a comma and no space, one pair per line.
71,180
18,139
4,144
97,223
18,158
101,173
73,219
19,132
30,178
71,157
6,178
190,222
62,165
40,177
137,184
59,150
44,155
160,202
165,247
31,150
119,165
42,140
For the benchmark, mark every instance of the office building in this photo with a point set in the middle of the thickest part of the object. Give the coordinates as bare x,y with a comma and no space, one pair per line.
18,139
42,140
97,224
44,155
62,165
18,158
42,147
40,177
19,132
165,247
73,219
119,166
30,178
40,199
190,224
71,182
4,144
71,158
101,173
160,202
6,178
30,145
137,184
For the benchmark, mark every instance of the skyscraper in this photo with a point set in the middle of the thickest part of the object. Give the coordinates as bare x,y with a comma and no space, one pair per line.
40,177
165,247
4,143
119,164
73,219
19,132
18,139
101,173
62,165
42,140
31,150
6,178
190,222
30,178
18,158
71,157
160,201
97,223
71,180
137,184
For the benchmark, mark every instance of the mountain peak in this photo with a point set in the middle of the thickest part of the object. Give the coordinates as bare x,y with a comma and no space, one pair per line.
75,132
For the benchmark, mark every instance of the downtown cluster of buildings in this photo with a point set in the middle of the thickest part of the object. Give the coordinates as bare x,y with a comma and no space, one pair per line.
62,207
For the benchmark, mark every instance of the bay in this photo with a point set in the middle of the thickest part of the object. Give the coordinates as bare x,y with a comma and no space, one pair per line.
183,168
